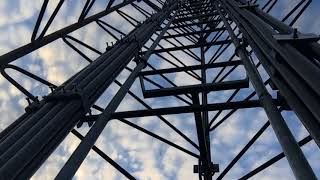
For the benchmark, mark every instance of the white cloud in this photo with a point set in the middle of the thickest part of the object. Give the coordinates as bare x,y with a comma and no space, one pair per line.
148,158
16,11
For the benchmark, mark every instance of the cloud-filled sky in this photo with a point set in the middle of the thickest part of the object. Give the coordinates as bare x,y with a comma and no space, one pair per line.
140,154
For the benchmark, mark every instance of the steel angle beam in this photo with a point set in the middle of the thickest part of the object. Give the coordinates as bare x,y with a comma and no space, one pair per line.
219,86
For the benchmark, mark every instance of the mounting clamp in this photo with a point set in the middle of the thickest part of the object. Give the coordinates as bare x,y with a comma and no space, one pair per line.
295,36
33,106
248,6
72,94
138,59
90,119
284,103
243,44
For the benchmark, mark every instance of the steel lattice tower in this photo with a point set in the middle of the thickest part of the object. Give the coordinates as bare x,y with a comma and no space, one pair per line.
290,59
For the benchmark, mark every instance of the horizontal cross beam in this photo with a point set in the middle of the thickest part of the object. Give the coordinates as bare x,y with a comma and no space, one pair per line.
196,88
195,17
193,33
193,24
190,68
198,45
190,109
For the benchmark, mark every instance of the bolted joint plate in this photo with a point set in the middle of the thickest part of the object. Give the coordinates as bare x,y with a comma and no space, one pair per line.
200,169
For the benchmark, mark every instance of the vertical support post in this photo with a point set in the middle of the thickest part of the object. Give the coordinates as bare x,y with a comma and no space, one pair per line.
87,143
205,167
295,157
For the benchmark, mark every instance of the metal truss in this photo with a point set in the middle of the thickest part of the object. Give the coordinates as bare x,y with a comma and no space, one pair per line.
290,58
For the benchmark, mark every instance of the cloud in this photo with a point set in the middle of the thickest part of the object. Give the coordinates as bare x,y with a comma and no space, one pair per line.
17,11
145,157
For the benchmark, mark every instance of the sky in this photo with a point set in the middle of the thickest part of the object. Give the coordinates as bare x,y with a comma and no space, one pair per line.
143,156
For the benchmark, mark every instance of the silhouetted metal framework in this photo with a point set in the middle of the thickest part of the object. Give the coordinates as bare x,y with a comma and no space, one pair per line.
290,58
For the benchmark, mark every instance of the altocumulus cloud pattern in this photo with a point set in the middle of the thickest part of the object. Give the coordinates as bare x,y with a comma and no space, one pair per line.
159,89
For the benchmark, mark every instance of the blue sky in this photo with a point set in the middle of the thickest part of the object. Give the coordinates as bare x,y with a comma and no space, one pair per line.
140,154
